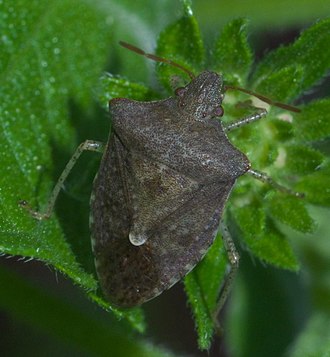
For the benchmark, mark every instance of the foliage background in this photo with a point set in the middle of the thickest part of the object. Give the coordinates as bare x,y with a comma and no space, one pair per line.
291,310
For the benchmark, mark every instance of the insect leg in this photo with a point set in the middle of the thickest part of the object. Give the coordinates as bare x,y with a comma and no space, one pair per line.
233,257
88,145
244,121
261,176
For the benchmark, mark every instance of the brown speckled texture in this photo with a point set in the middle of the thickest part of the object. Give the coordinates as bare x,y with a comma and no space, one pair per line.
165,176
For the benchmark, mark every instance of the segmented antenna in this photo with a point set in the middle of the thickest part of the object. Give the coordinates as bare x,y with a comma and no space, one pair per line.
155,58
265,99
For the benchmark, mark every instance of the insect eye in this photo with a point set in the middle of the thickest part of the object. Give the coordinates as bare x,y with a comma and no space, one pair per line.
219,111
179,91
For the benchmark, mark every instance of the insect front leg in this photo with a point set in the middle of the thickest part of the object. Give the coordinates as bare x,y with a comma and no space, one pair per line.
88,145
246,120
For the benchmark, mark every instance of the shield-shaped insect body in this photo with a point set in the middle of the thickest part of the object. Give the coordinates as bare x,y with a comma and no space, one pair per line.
164,179
166,173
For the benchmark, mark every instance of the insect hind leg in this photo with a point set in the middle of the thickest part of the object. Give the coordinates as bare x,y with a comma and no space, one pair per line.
260,113
233,257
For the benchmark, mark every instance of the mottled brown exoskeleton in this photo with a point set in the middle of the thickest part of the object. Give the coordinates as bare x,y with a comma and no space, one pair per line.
158,197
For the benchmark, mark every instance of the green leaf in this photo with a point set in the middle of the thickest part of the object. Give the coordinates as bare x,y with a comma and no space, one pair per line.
180,42
316,186
263,238
117,87
265,16
313,123
232,55
301,159
202,286
289,210
308,53
203,321
314,339
265,313
52,55
282,85
283,128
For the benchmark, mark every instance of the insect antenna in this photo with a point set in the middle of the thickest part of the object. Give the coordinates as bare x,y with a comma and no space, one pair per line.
155,58
265,99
